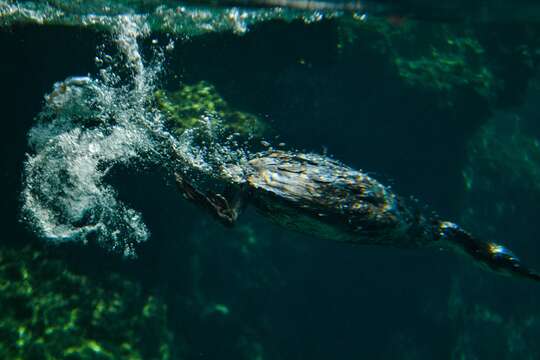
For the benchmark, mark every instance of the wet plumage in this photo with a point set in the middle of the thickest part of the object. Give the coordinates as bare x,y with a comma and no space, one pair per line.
317,195
324,198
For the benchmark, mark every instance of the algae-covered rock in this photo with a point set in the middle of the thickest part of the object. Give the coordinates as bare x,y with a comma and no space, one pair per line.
492,62
49,312
501,178
503,157
186,107
477,323
455,63
427,56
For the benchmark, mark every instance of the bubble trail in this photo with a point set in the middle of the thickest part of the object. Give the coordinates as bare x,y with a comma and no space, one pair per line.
87,127
90,125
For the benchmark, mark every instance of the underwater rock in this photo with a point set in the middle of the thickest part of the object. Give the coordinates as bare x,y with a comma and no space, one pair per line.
51,312
457,64
501,178
503,157
477,323
186,107
428,57
492,63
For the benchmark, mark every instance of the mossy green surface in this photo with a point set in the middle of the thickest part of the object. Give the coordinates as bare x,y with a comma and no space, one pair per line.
501,180
503,154
186,107
453,65
49,312
479,323
430,57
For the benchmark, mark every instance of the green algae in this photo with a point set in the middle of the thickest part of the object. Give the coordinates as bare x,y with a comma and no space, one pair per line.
186,107
429,57
448,68
477,324
50,312
501,179
488,62
502,154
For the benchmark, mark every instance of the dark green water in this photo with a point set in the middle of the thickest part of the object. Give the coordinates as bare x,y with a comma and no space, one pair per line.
441,111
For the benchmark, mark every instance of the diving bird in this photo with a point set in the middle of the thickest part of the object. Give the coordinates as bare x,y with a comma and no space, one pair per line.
322,197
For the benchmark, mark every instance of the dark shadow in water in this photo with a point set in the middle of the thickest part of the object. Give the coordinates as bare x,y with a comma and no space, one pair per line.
33,58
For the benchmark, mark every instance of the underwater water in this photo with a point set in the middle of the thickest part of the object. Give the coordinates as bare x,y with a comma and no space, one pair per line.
105,103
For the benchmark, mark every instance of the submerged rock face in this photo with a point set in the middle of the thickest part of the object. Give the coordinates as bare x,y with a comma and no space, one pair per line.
427,56
50,312
502,180
504,158
186,107
488,62
484,322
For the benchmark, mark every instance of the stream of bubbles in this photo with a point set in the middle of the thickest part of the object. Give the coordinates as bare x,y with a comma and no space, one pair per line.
91,124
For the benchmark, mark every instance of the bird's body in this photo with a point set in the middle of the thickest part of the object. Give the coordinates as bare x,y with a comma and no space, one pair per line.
324,198
320,196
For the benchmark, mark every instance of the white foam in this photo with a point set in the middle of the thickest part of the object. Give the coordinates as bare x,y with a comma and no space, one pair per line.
86,127
171,18
90,125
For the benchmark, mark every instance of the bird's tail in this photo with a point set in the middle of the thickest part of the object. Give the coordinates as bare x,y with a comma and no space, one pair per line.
489,255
